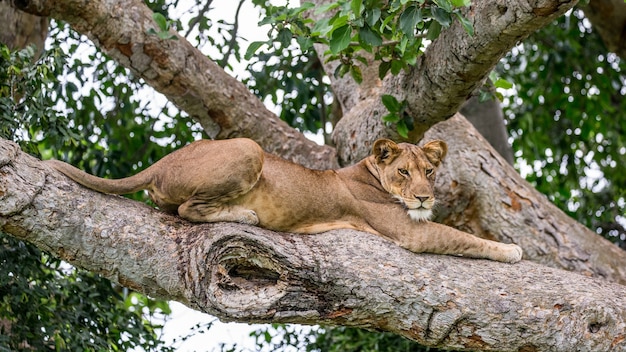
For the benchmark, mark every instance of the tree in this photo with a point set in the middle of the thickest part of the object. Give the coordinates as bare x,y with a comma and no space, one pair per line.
222,268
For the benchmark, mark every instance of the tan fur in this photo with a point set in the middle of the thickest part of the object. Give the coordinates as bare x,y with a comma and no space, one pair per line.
389,193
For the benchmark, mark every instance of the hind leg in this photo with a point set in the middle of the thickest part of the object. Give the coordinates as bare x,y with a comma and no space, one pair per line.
215,172
197,210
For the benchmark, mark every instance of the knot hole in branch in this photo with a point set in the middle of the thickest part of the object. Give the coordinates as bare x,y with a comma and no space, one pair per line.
246,274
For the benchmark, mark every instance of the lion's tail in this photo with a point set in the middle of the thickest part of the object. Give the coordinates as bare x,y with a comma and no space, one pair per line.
127,185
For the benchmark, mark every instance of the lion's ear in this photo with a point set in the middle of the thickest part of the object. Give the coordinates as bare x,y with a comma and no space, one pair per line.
435,151
385,150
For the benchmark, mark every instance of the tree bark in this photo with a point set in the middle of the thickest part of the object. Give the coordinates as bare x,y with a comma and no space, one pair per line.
222,105
22,29
243,273
477,192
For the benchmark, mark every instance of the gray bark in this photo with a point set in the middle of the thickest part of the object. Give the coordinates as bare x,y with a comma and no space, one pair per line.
21,29
243,273
477,191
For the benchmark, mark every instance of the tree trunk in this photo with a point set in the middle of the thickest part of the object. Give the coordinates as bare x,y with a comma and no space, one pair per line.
452,67
477,191
21,29
244,273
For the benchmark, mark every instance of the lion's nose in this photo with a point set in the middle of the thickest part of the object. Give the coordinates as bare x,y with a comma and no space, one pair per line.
421,199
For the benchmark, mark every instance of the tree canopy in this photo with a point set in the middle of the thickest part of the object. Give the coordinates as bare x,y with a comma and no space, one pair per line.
356,69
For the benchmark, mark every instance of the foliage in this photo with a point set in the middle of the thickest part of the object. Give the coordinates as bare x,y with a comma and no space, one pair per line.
45,304
568,122
27,97
295,82
393,31
398,115
343,339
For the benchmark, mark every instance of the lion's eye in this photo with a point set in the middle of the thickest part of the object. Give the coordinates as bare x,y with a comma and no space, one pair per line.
403,172
429,172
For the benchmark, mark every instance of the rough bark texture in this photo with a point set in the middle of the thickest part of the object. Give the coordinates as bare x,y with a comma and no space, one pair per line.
608,18
243,273
224,107
487,197
21,29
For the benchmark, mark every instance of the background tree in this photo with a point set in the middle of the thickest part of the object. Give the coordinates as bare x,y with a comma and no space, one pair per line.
218,120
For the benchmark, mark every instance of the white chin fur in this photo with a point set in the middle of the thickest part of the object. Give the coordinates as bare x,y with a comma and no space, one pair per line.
420,214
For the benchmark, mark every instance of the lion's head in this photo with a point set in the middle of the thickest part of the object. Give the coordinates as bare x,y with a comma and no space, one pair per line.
407,172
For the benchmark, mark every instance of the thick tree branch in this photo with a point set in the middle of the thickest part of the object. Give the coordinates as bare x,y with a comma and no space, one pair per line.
350,278
224,107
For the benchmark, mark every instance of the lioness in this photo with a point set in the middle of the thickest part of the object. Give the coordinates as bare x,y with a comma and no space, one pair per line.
389,193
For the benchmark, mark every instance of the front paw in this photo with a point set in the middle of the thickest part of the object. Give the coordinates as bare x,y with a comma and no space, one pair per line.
512,253
249,217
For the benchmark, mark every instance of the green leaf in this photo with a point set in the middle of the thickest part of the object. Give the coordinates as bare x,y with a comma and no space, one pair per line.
357,75
444,5
408,120
340,38
386,21
160,20
391,118
441,16
305,43
396,66
369,37
284,37
403,129
503,83
303,7
356,7
383,68
372,16
252,49
391,103
461,3
409,20
322,27
341,70
338,21
433,31
326,8
465,22
410,56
